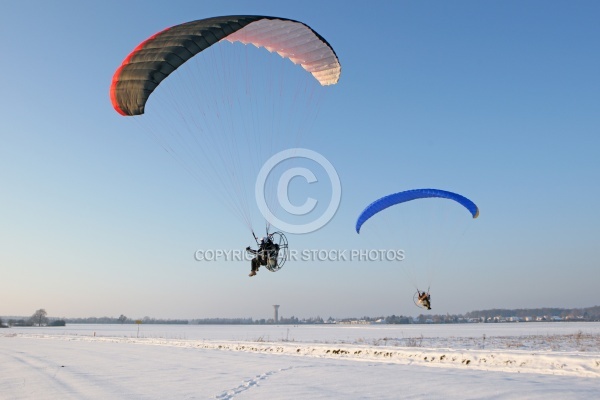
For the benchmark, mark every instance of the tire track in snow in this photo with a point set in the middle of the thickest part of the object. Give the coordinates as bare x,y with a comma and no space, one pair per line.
46,372
54,379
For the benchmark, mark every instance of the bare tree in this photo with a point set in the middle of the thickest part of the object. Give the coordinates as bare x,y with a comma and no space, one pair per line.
122,318
39,317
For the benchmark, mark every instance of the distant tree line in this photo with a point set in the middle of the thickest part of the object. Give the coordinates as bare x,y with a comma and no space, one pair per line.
122,319
292,321
401,319
581,314
39,318
222,321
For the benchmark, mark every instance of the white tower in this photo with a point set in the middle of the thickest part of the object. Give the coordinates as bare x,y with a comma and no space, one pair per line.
276,316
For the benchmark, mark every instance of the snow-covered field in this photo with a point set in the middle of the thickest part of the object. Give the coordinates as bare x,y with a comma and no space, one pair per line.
500,361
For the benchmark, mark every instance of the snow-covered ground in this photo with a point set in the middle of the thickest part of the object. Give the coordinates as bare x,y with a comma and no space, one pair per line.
501,361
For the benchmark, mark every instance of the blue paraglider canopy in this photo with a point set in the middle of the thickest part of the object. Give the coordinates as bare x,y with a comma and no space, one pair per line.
402,197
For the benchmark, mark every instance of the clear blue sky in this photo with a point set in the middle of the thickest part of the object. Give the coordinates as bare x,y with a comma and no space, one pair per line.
497,100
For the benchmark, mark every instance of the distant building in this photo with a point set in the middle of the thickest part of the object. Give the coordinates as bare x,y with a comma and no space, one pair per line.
355,322
276,315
